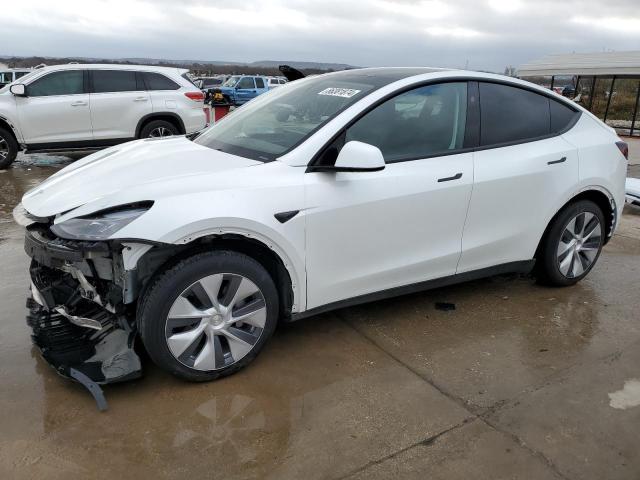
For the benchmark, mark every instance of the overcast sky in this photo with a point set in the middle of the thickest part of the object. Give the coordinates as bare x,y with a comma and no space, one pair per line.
488,34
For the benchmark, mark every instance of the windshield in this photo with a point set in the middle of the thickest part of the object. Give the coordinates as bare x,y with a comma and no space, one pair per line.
275,122
231,82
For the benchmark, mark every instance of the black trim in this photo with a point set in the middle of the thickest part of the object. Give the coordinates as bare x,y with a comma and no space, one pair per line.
561,160
457,176
284,217
524,266
333,168
153,116
77,145
473,120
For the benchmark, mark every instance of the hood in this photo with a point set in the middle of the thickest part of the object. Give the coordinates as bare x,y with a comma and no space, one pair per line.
116,170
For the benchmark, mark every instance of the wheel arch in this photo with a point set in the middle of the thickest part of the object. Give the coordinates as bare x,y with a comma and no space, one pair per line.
170,117
597,195
6,124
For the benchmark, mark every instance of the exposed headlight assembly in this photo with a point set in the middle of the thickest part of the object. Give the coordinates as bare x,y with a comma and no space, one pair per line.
100,225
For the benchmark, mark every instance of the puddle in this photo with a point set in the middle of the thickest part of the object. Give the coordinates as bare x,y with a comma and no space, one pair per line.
628,397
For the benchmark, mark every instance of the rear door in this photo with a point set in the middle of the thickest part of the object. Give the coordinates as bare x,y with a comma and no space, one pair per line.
162,92
245,89
56,109
118,102
524,171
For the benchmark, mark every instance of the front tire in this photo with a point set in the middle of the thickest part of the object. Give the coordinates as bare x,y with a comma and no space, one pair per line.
8,149
572,244
209,315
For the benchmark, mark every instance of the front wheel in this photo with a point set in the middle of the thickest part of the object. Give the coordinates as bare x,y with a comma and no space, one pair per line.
209,315
572,245
8,149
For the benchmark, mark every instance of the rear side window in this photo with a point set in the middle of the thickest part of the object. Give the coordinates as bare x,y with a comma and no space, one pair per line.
157,81
246,82
561,116
114,81
510,114
68,82
259,83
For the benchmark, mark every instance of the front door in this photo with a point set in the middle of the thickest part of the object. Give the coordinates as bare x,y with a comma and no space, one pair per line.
372,231
56,109
245,90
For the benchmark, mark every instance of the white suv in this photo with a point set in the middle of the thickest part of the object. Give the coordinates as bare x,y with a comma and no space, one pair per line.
72,107
339,189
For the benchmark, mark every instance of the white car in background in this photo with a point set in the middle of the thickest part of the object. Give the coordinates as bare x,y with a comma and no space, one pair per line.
275,82
79,107
633,191
339,189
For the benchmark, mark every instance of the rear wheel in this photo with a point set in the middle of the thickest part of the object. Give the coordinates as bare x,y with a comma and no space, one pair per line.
209,315
8,148
572,245
158,128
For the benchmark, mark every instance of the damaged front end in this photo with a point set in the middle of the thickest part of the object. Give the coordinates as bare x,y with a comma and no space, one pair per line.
78,310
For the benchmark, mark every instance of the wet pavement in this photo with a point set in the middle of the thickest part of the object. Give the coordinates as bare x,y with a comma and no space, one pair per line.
519,381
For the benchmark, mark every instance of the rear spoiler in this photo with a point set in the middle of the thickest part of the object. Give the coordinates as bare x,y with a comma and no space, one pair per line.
291,73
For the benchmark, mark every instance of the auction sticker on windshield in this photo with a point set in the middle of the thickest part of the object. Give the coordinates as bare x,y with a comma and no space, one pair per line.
340,92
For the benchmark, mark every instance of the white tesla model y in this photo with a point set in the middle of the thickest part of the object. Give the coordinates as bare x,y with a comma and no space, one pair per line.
333,190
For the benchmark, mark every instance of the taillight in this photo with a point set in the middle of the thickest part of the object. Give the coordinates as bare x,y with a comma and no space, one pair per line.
624,149
195,96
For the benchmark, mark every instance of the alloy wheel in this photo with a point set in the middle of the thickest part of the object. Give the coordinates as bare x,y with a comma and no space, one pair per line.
4,149
579,244
216,321
160,132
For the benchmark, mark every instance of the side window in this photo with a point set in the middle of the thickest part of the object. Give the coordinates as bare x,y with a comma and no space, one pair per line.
157,81
561,116
423,122
113,81
67,82
511,114
259,82
246,82
282,82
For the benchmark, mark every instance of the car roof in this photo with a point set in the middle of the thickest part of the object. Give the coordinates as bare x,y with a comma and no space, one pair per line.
113,66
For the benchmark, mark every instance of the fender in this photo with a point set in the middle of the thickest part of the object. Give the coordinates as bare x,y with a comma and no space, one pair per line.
14,130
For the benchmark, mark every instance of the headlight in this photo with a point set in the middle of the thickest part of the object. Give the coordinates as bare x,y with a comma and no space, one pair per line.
100,225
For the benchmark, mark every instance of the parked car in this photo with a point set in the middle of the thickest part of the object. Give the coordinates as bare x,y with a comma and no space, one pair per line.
12,74
79,107
339,189
276,82
633,191
239,89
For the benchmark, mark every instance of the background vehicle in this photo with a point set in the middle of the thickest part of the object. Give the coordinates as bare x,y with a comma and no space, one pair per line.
209,84
336,190
276,81
76,107
12,74
239,89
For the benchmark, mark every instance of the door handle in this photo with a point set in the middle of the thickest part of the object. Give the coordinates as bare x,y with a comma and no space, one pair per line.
79,104
553,162
140,99
457,176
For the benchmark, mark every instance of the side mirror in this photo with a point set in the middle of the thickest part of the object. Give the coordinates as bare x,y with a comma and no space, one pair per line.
357,157
19,90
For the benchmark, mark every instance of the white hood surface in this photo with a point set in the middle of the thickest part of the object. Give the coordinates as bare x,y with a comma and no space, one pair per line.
121,168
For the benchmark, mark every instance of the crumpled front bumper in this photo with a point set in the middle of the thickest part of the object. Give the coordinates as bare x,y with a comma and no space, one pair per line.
76,333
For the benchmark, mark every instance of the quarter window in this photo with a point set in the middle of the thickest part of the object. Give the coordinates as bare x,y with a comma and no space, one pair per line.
561,116
114,81
68,82
246,82
511,114
157,81
423,122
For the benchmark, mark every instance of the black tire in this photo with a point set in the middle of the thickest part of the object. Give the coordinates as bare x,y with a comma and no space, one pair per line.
154,126
9,145
159,297
548,269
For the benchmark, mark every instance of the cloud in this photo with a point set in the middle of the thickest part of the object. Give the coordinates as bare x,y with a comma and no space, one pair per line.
488,34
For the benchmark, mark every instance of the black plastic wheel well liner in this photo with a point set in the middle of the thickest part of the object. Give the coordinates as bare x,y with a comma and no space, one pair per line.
171,117
230,242
597,197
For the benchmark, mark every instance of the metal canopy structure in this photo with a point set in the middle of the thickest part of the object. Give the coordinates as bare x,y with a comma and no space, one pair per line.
604,63
606,83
